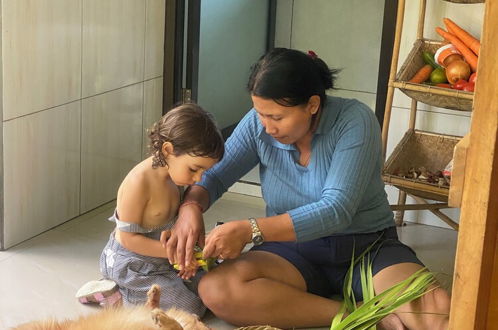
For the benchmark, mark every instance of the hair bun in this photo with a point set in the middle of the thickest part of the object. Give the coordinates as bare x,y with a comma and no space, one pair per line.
312,54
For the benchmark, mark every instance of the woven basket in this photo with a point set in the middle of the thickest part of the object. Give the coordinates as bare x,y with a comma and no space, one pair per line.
432,95
465,1
420,149
258,327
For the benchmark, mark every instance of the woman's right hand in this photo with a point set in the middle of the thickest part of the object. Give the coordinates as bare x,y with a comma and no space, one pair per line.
187,231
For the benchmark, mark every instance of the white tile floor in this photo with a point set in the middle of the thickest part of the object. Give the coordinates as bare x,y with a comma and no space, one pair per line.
39,277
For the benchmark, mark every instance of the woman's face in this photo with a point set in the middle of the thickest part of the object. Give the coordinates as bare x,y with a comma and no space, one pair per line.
287,125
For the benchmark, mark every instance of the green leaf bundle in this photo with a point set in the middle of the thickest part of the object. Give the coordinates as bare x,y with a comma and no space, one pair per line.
376,307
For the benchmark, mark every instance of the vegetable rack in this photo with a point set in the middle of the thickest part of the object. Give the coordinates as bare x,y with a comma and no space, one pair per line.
432,95
419,147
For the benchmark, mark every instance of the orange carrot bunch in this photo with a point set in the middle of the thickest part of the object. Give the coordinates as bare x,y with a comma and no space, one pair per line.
463,35
463,41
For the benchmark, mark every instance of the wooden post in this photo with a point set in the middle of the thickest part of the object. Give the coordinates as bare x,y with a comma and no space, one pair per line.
392,74
493,299
399,214
476,276
421,19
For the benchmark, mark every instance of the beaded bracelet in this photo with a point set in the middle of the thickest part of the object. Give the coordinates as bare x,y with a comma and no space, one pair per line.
194,203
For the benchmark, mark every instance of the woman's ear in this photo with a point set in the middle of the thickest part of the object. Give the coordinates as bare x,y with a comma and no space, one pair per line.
314,104
167,149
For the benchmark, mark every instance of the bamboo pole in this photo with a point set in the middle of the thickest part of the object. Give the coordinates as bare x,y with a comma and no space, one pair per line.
392,74
400,208
435,192
418,207
434,90
438,213
421,19
400,214
413,114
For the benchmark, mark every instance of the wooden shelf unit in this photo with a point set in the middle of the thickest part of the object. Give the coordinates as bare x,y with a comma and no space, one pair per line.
435,96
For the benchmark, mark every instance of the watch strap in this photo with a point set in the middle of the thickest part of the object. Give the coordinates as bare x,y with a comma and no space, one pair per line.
256,237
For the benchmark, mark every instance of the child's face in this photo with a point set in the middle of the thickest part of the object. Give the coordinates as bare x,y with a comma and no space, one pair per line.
186,169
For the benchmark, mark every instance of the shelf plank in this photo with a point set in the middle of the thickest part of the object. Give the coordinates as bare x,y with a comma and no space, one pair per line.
458,172
434,90
419,207
476,265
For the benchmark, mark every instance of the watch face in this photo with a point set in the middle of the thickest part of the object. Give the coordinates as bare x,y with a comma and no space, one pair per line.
257,240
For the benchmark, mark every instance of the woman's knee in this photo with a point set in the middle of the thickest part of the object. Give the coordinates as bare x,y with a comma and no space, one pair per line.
437,301
430,311
215,291
434,307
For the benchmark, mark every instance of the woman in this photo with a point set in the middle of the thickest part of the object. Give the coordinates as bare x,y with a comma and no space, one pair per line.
320,162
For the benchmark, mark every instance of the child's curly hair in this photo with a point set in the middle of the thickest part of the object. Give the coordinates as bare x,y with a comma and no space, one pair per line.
190,129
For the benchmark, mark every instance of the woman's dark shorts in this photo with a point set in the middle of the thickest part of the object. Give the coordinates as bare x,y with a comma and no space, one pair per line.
323,262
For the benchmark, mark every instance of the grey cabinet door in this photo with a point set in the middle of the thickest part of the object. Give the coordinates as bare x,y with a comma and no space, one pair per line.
233,35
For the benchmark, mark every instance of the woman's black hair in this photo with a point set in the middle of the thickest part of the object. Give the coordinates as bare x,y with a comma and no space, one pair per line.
290,77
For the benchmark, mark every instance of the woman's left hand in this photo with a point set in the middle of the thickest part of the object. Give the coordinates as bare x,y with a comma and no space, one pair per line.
227,241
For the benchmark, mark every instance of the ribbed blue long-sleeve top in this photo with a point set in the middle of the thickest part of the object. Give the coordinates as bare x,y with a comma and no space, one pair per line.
340,191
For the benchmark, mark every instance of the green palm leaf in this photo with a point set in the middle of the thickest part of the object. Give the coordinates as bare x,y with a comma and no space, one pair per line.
376,307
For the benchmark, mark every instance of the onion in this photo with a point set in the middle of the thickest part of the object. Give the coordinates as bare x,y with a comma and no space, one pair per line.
452,58
457,70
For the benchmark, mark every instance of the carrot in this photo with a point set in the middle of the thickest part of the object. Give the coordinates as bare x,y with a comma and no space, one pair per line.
463,35
469,56
422,74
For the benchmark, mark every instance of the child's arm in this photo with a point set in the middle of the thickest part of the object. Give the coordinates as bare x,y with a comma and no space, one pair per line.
142,245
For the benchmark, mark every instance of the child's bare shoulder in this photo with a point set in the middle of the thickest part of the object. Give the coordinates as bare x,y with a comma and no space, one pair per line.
133,194
139,174
136,181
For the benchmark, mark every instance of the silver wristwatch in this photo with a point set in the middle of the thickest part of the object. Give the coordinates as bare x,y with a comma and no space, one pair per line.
257,237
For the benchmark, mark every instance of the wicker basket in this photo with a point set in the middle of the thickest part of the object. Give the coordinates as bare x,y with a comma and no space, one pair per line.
420,149
465,1
432,95
258,327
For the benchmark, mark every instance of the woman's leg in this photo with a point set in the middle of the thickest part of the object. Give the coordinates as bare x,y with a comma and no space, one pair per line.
263,288
412,314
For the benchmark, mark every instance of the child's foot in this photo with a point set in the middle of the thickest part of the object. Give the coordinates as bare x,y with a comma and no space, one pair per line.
153,297
102,292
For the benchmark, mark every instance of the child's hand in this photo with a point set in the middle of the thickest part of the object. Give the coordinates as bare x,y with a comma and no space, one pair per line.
165,234
187,231
187,271
197,262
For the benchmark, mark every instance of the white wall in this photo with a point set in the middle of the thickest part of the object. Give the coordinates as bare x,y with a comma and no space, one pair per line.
80,81
346,34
